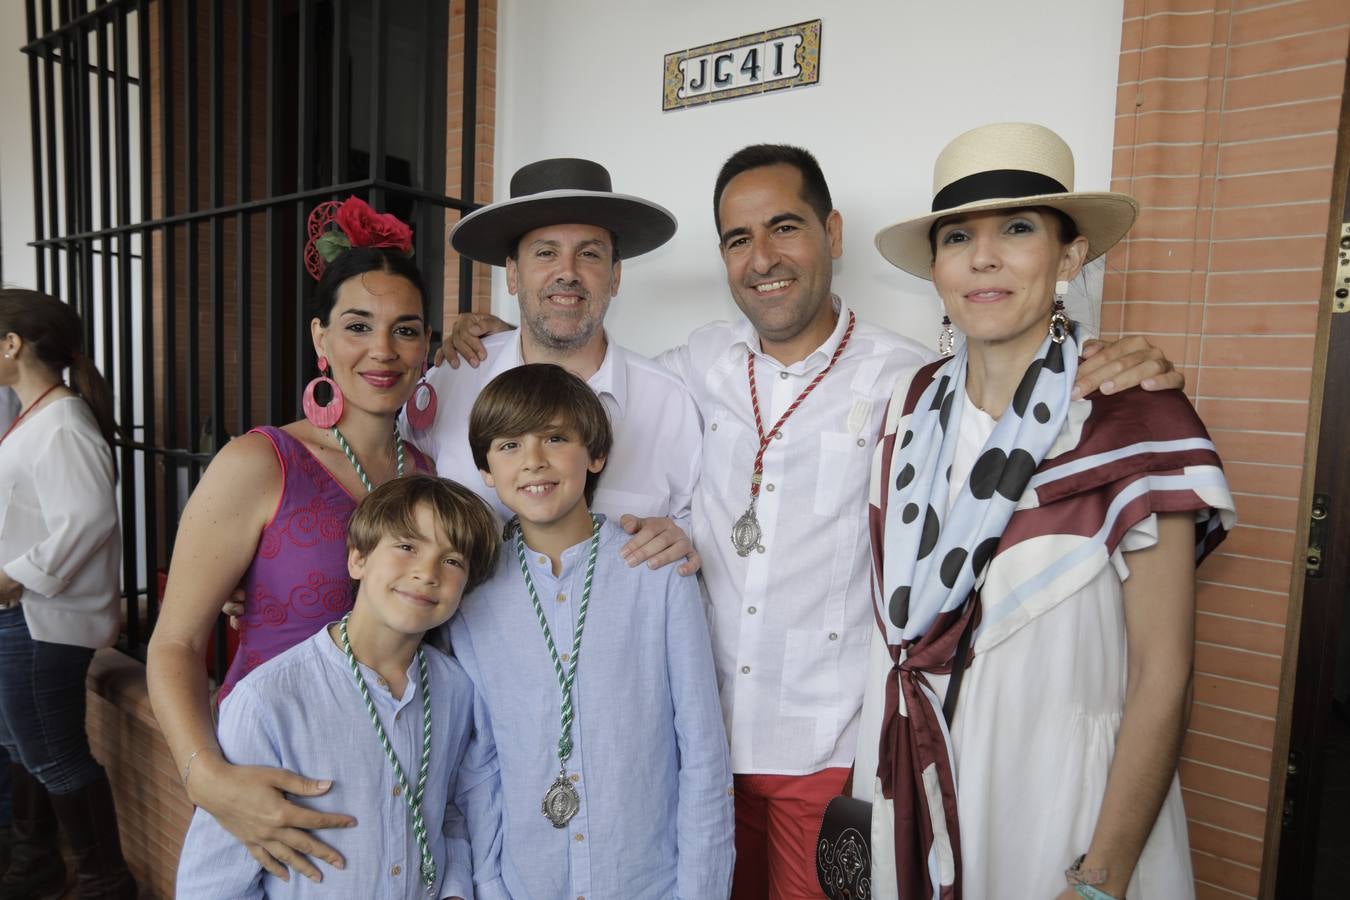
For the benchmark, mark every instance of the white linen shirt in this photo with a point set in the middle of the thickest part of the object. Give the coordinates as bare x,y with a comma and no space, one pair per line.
58,525
653,465
790,626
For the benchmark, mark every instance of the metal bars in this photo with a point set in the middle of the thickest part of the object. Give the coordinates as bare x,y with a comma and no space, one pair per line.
177,148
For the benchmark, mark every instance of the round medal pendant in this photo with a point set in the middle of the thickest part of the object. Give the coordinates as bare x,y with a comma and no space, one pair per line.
561,802
746,533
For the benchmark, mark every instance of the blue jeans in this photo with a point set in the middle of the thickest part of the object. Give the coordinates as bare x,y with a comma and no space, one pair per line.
42,706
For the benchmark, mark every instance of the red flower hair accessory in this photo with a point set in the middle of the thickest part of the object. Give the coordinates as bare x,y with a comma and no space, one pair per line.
336,227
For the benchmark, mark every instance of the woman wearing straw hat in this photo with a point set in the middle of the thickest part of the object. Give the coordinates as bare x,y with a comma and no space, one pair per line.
1034,557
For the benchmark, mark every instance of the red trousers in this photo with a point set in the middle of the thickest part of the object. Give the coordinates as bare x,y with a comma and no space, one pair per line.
777,821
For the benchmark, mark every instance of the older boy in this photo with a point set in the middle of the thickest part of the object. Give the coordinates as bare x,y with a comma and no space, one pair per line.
597,678
366,702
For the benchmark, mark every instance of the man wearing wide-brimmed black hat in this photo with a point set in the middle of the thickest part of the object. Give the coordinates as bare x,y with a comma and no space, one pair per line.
562,236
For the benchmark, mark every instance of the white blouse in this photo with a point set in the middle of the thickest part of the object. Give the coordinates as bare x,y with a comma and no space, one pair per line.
59,533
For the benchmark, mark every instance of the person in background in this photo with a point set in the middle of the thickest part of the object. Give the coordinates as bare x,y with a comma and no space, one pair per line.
60,551
388,718
1034,559
271,512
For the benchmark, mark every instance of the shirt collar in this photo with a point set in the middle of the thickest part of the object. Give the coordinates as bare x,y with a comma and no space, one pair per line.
747,337
611,378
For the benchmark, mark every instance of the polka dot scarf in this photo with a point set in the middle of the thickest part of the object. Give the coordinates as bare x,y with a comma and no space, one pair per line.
933,560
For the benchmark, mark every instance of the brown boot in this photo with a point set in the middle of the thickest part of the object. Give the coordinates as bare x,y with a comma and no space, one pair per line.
89,822
35,871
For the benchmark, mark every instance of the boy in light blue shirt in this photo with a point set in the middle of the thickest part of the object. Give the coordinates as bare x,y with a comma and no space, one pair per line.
387,718
597,678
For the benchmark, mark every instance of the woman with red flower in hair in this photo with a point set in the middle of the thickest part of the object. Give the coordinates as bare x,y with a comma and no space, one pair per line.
271,514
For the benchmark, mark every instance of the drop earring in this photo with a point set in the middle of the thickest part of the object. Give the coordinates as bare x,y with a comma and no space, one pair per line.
322,416
421,406
947,338
1059,322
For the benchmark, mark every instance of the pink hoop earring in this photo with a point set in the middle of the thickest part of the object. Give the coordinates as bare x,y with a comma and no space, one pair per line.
421,406
322,416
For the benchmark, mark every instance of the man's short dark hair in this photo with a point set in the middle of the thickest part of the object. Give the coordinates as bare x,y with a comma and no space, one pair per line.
532,397
814,189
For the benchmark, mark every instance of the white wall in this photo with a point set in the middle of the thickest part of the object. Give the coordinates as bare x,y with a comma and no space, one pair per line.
16,161
898,79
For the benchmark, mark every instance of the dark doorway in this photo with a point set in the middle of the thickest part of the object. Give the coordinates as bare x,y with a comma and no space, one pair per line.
1314,857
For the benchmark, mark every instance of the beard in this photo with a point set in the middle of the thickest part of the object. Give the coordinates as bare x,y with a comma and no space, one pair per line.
541,321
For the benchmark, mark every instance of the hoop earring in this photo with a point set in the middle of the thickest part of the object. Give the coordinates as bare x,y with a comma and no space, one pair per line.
421,406
322,416
1059,322
947,338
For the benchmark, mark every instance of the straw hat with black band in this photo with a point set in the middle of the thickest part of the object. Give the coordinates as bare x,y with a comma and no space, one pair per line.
561,192
1006,166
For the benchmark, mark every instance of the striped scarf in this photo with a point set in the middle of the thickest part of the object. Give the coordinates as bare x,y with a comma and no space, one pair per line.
1079,473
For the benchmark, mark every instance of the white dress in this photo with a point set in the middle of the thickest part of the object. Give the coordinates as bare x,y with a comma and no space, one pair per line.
1033,739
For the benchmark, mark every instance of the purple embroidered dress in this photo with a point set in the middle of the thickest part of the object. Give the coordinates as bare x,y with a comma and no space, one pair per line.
298,580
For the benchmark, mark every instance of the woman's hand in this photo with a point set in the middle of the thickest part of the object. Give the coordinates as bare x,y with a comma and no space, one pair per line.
464,340
10,591
250,803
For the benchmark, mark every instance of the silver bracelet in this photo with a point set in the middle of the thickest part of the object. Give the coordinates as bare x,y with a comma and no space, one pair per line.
187,769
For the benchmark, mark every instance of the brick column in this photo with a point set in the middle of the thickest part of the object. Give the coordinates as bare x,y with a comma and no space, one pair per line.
1227,112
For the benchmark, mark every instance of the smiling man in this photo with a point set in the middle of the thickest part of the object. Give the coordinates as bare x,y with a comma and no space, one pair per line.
561,237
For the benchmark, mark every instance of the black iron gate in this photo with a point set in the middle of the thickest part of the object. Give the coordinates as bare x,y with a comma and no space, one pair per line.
178,146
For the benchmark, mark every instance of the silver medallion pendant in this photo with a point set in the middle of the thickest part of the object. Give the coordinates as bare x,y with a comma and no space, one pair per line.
561,802
746,533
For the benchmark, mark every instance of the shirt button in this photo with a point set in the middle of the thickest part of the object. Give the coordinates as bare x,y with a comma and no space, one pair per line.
862,442
752,610
580,838
834,635
783,375
768,487
778,435
381,682
398,789
396,871
564,656
714,426
542,559
576,777
745,670
562,598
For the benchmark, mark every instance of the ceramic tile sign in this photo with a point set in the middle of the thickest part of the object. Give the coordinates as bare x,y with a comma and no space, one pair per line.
753,64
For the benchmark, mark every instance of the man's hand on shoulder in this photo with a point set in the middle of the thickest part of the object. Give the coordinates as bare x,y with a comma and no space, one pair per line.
464,339
658,542
1118,365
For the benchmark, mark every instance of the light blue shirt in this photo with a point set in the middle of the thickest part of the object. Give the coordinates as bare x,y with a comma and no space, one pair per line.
301,711
649,757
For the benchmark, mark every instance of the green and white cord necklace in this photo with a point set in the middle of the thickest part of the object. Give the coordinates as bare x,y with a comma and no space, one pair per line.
412,798
562,802
351,457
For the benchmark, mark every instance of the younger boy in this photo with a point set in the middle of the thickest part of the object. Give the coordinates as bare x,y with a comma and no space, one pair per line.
387,718
597,678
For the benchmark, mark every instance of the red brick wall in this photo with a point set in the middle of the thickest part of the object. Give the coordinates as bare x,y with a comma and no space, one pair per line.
1226,123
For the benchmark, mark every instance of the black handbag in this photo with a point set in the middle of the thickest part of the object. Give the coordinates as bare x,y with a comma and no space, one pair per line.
844,845
844,850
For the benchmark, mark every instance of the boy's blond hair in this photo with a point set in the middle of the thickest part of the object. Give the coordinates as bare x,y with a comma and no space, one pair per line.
391,509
